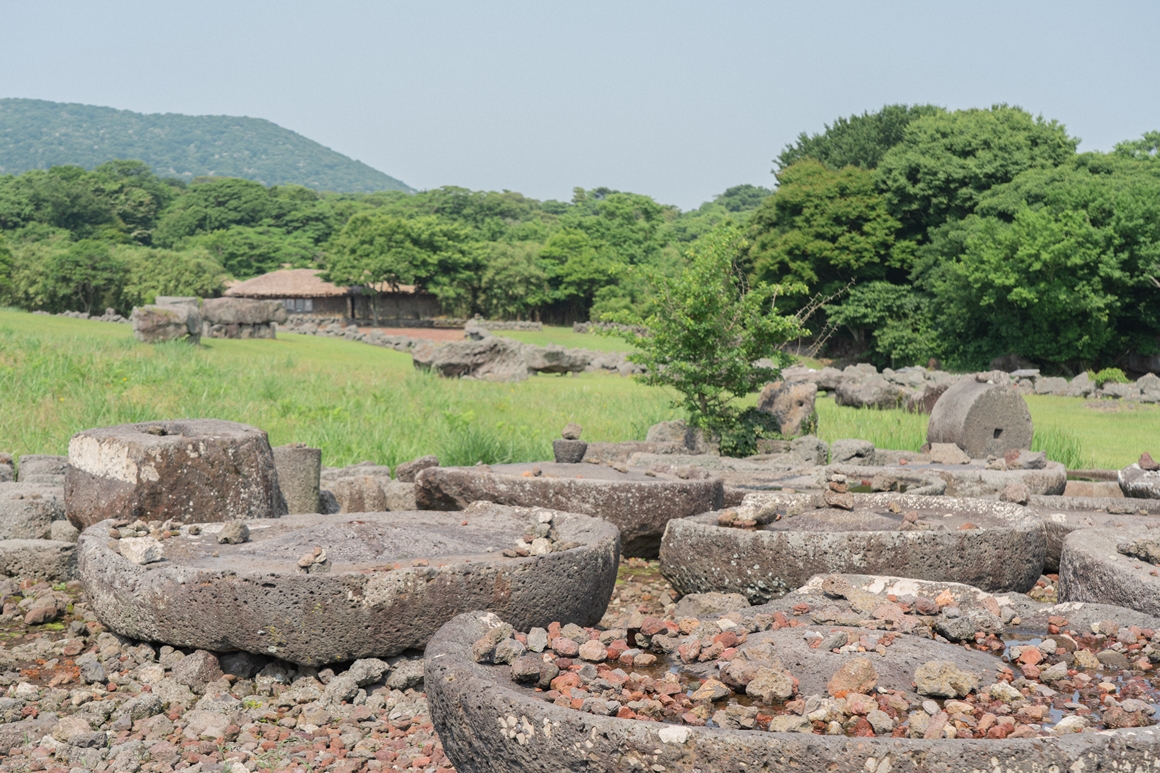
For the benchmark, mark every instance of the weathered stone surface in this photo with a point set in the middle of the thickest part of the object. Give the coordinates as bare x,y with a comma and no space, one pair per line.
638,504
792,404
680,433
42,468
479,715
1063,515
569,451
943,679
299,470
1092,569
242,311
361,494
399,495
493,359
407,471
196,470
555,359
38,558
141,550
63,531
154,324
701,604
1140,483
982,418
948,453
389,581
854,451
28,510
992,545
870,392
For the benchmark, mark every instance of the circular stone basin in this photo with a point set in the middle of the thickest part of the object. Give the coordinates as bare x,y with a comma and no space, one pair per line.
389,581
1063,515
1111,566
487,722
636,501
992,545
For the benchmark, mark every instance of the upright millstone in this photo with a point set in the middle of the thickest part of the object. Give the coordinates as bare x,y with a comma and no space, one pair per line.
982,418
299,474
192,471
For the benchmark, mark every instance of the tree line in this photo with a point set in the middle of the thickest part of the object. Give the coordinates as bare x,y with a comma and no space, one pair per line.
929,233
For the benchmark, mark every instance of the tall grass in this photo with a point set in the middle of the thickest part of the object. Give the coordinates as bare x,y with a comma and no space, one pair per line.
894,429
354,401
1061,446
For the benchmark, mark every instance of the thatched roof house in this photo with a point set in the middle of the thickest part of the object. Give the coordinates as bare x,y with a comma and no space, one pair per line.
303,291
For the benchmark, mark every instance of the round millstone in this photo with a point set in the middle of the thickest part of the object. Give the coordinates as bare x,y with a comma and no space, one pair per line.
1063,515
992,545
636,501
316,589
488,723
1111,566
195,470
981,418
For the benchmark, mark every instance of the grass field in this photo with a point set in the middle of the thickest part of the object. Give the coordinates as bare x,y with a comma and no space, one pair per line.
358,402
563,336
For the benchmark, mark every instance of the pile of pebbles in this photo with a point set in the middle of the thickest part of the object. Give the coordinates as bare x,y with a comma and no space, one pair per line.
726,673
76,697
542,540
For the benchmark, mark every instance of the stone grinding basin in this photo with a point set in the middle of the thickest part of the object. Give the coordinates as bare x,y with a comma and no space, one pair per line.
996,546
638,502
488,723
391,580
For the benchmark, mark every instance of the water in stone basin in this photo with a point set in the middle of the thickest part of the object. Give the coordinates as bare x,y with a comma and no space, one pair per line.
1023,683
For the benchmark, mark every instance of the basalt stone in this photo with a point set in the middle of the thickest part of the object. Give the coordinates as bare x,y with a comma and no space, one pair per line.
1063,515
1140,483
1096,566
638,504
389,581
992,545
489,724
407,471
42,468
242,311
982,418
154,324
196,470
40,559
569,451
299,468
792,405
28,510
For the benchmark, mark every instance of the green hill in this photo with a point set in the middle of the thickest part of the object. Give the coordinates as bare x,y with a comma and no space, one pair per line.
35,134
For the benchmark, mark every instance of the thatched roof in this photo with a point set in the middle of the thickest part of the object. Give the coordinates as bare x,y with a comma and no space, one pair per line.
298,283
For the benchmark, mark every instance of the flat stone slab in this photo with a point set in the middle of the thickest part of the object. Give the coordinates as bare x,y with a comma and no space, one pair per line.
489,724
992,545
190,470
42,559
638,502
390,581
1092,569
974,480
27,510
1063,515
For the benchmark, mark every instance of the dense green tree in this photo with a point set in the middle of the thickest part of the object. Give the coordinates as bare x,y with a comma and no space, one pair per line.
513,284
860,140
64,197
247,251
1147,147
214,204
84,276
380,249
7,286
153,272
708,331
826,229
891,321
946,161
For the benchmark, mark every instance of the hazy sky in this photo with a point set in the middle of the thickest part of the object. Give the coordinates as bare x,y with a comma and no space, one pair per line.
678,100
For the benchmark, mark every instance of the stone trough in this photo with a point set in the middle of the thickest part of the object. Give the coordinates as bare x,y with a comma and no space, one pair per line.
639,502
315,589
993,545
487,722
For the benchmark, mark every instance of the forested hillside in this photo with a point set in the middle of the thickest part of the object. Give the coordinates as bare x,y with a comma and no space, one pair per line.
35,134
956,235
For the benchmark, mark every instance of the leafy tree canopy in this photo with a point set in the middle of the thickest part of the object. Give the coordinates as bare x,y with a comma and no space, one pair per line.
860,140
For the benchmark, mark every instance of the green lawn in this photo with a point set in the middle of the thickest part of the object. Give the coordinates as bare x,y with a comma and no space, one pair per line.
59,376
563,336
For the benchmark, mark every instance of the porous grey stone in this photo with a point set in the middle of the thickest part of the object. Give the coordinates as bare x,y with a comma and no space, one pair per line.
196,470
1139,483
792,405
28,510
851,451
569,451
638,504
493,359
392,580
1092,569
1063,515
242,311
40,559
701,604
299,472
154,324
982,418
407,471
63,531
1002,548
399,495
479,716
41,468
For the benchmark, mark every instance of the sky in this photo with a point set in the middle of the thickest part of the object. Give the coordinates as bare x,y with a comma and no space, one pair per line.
677,100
